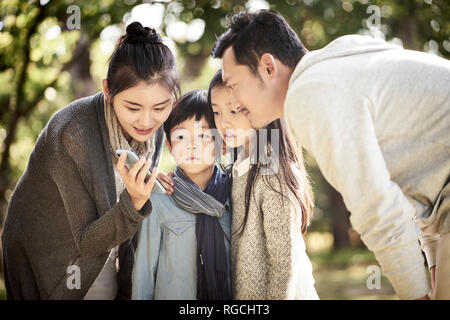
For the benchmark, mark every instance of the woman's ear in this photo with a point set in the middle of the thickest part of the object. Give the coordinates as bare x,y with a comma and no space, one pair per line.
105,88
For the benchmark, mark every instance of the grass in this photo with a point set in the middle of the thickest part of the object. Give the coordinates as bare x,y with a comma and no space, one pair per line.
343,275
340,275
2,289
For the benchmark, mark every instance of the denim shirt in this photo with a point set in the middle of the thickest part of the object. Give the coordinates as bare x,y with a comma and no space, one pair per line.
165,262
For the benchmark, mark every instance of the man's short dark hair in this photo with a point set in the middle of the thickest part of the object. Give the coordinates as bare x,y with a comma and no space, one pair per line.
253,34
191,104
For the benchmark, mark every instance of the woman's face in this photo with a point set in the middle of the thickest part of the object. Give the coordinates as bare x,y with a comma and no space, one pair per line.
233,126
142,109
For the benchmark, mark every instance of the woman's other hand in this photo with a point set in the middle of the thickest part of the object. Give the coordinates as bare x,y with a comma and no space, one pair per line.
166,181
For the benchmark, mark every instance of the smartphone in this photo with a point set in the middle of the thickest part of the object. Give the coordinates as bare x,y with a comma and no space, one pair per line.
132,158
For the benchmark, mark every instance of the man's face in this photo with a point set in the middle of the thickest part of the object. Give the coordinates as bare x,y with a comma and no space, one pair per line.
249,91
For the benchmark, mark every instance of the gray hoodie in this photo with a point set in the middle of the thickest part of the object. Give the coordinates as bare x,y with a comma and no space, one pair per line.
376,118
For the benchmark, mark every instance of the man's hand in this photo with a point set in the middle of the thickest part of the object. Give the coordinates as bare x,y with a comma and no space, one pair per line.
433,279
433,276
432,271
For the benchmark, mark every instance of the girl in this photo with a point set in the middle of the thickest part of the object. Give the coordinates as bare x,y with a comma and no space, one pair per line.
272,204
77,203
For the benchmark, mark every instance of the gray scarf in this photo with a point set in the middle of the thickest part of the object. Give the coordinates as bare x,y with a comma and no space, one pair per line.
212,258
191,198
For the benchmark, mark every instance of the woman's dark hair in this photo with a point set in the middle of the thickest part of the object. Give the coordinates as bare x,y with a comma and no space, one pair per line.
140,55
297,182
191,104
253,34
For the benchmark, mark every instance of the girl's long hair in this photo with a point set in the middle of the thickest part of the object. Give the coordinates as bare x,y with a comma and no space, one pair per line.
295,180
288,158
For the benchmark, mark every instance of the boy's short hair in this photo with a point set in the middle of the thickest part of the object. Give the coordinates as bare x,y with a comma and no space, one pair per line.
191,104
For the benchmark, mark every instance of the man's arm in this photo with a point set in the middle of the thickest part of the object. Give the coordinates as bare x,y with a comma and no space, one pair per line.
336,127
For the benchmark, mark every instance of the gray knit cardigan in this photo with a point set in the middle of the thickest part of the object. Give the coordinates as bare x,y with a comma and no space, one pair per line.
64,212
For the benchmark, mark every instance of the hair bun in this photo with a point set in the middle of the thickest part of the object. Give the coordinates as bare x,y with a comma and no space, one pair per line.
137,33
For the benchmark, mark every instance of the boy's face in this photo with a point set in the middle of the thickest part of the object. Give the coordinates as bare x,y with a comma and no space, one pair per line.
234,127
192,145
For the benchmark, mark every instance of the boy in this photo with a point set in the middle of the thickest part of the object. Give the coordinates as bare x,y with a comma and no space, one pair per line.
183,247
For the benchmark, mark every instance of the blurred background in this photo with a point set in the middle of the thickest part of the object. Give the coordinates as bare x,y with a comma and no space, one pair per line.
55,51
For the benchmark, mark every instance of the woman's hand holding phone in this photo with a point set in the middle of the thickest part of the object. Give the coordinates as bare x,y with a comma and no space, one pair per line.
137,188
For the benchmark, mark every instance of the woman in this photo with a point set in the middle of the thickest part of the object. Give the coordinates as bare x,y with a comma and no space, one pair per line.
76,207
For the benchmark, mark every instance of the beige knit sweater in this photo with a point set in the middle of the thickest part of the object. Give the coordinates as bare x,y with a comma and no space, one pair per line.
376,118
269,259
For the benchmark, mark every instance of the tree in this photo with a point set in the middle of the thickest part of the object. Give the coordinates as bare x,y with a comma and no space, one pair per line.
195,52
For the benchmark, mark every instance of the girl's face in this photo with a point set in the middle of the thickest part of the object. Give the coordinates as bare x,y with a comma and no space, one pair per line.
142,109
234,127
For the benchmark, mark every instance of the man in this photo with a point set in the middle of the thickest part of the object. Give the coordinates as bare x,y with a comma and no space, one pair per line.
377,119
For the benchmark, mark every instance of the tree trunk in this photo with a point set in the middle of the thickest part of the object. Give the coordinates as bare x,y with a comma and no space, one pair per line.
340,221
408,33
193,65
83,84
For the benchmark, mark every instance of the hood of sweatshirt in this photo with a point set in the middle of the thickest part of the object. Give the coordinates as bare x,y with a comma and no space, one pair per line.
343,46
